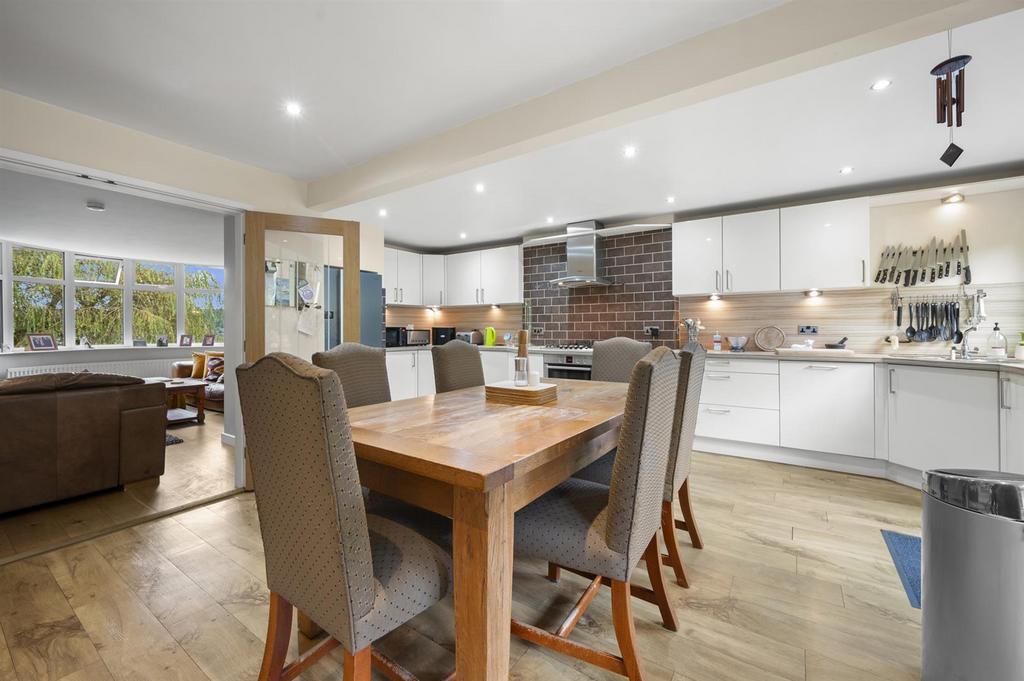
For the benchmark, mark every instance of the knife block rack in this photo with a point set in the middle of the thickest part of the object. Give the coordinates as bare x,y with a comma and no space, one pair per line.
904,274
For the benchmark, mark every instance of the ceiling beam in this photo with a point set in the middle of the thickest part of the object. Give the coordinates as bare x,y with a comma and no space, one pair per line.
797,36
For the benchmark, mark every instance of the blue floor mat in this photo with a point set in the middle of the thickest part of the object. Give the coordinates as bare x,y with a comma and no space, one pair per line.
906,556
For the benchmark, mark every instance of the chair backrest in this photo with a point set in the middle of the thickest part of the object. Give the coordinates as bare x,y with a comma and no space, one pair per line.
638,475
691,377
363,372
310,505
615,358
457,365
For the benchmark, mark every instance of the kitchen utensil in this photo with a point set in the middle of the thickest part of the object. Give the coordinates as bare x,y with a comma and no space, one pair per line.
922,334
966,256
768,338
897,270
941,254
894,266
931,259
945,330
910,276
958,335
490,336
736,343
898,302
933,328
950,256
839,345
911,331
924,264
883,264
956,253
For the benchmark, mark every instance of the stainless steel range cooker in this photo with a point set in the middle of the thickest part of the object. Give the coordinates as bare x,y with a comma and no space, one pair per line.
568,361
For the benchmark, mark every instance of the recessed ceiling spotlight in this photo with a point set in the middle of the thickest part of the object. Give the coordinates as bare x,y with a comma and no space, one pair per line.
462,235
293,109
670,199
550,220
846,170
383,212
880,84
955,197
479,187
629,151
95,206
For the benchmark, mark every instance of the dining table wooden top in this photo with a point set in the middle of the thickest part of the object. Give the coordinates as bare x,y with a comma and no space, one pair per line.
464,439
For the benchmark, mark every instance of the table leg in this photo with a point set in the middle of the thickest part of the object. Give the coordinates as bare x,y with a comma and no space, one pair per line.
483,526
201,405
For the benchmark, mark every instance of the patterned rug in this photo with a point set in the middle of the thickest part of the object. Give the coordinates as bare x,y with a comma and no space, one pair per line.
171,440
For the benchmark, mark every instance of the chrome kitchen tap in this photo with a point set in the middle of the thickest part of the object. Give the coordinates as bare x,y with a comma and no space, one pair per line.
965,351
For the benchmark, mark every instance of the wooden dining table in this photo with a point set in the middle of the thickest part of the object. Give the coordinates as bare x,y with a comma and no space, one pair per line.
477,462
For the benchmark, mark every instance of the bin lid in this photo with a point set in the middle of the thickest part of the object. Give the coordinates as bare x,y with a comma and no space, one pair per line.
988,492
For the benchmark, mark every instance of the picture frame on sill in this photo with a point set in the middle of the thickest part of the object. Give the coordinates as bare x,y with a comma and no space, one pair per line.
161,341
208,340
185,341
40,342
139,342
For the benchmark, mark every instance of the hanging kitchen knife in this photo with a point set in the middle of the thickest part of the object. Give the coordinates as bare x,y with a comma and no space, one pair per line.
940,252
924,264
894,266
897,268
882,264
956,255
966,257
910,276
931,259
950,255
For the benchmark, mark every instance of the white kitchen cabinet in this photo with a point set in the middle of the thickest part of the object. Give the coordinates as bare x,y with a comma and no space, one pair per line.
827,407
389,277
943,418
462,278
497,365
750,252
760,391
825,245
410,278
424,373
738,424
402,374
1011,414
433,279
697,257
501,275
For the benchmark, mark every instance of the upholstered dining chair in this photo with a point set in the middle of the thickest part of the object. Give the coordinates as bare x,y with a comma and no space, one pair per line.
615,358
457,365
677,477
363,372
603,532
359,576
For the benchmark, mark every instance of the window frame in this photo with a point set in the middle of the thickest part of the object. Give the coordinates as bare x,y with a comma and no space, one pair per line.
10,280
201,291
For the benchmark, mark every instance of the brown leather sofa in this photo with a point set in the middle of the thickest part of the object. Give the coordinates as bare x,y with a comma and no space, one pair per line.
214,391
62,435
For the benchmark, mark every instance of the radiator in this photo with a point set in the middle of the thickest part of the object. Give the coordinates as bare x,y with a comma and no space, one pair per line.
144,368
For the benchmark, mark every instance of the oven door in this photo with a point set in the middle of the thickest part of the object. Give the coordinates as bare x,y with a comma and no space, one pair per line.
577,371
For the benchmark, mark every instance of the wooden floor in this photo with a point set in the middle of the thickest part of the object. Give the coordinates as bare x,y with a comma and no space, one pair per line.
198,468
794,584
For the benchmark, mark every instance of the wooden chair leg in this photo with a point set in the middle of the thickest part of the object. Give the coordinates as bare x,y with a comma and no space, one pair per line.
554,572
357,666
673,559
689,523
653,559
279,627
625,632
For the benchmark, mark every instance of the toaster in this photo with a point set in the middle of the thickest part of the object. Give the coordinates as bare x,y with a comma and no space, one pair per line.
474,337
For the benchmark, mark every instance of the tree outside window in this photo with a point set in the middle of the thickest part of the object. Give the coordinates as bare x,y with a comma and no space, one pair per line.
99,300
38,293
204,301
155,307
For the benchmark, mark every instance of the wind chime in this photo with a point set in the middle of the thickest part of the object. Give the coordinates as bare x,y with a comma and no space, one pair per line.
949,97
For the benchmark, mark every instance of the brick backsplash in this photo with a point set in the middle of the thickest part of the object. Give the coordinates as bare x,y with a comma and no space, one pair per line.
641,267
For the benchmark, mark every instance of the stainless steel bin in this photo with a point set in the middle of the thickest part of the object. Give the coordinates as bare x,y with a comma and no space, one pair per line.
972,576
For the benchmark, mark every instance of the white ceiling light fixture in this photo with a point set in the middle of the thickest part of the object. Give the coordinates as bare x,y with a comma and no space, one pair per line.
95,206
880,84
462,235
846,170
670,199
293,108
629,151
955,197
550,220
479,187
383,212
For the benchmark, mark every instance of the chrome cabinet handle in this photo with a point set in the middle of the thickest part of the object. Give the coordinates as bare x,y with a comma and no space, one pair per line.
477,294
719,378
401,293
728,280
483,296
718,361
395,297
821,367
892,381
863,271
1004,395
712,410
718,285
413,354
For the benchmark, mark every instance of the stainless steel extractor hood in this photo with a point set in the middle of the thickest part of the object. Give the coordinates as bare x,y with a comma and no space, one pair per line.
582,253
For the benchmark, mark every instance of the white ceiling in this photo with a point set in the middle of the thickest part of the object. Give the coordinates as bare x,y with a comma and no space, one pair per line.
42,211
789,136
371,76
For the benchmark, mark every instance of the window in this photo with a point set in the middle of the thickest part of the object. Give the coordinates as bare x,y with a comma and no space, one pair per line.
154,302
99,300
154,274
204,301
37,293
90,270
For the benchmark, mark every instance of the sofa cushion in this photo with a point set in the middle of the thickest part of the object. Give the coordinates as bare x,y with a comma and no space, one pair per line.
215,391
42,383
214,368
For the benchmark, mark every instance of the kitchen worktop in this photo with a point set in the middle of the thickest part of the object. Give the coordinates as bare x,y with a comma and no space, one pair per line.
486,348
980,363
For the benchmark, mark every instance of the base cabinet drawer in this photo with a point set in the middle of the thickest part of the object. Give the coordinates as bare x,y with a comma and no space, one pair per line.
828,407
760,391
722,361
742,424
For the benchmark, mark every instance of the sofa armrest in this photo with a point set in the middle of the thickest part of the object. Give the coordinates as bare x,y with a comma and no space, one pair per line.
182,369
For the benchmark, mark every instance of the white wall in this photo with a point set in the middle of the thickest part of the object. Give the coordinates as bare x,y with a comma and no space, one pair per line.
994,224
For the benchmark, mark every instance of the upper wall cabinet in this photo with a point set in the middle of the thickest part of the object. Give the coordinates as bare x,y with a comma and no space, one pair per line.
825,245
490,276
402,277
433,280
462,274
734,254
750,252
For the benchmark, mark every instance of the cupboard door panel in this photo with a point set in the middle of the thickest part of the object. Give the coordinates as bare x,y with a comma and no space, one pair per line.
433,280
462,278
825,245
410,281
750,252
828,407
389,277
501,273
697,257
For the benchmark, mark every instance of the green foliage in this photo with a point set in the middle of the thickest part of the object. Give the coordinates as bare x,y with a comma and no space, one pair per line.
157,274
155,313
35,262
98,269
38,308
99,314
204,313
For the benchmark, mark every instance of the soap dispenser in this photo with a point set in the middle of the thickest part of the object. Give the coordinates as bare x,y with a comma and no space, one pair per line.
1019,352
997,343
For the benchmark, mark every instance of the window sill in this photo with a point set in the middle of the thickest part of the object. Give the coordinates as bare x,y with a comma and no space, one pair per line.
100,348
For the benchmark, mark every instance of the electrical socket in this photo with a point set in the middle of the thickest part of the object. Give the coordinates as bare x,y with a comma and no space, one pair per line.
652,331
537,331
808,330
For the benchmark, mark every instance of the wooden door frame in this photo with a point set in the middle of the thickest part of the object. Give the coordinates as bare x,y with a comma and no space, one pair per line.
256,226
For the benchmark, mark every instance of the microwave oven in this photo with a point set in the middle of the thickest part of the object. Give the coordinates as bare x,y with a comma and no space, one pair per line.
417,337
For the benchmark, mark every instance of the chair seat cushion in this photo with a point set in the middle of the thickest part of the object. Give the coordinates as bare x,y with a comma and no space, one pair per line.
567,526
600,471
411,573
